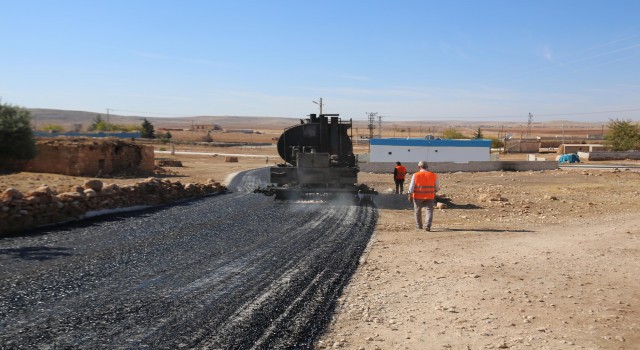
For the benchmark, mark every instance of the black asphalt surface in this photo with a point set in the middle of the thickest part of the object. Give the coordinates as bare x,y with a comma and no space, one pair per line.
232,271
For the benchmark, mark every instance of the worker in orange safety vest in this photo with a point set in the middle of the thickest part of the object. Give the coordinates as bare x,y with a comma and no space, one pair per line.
422,192
399,173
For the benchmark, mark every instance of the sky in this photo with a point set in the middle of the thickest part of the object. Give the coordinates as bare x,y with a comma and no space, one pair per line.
480,60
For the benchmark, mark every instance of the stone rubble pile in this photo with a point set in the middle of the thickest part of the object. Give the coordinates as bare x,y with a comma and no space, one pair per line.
20,211
169,162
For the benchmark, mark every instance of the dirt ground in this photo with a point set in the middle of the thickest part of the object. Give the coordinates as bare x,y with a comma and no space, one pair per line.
528,260
553,265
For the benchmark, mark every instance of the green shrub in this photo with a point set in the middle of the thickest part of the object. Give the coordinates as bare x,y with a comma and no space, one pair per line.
623,135
16,138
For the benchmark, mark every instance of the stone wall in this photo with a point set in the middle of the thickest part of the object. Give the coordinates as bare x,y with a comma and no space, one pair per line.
90,157
575,148
20,211
522,146
448,167
635,155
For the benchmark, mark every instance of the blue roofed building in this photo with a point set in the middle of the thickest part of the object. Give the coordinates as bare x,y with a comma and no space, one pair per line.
430,150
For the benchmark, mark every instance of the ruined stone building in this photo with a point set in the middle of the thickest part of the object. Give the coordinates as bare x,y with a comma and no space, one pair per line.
91,157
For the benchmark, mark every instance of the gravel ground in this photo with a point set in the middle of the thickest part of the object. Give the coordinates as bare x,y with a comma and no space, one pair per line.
234,271
522,260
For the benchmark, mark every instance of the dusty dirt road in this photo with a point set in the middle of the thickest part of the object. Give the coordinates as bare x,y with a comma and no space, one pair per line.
551,263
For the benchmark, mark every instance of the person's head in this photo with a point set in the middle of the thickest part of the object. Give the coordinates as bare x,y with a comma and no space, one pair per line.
423,165
398,163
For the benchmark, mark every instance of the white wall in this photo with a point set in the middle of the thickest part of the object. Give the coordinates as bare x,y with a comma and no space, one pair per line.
389,153
447,167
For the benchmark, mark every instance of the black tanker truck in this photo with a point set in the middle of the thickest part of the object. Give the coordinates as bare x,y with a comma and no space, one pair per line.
318,162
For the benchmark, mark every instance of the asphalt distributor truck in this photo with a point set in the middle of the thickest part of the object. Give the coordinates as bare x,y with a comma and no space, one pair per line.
318,163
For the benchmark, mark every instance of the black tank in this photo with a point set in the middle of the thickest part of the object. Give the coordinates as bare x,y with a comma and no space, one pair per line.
322,134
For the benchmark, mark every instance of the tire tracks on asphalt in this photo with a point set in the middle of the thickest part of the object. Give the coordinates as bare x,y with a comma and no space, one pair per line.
232,271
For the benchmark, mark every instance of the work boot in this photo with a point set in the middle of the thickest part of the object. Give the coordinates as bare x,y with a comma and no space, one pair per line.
428,228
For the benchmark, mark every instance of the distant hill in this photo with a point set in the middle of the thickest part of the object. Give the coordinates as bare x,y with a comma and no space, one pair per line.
67,119
416,128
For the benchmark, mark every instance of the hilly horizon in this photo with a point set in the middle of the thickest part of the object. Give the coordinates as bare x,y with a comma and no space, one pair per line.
67,118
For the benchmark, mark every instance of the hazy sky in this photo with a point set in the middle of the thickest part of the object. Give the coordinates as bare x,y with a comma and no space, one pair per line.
405,60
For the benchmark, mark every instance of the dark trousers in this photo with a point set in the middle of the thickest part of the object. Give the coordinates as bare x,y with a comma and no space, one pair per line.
399,186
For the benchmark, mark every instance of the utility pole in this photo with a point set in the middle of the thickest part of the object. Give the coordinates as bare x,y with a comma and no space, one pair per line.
319,104
529,124
371,126
503,137
379,126
108,119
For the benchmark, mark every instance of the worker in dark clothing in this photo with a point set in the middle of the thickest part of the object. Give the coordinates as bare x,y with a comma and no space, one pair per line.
399,173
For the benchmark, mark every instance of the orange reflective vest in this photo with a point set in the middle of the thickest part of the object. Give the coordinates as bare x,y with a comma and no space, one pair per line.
424,185
401,172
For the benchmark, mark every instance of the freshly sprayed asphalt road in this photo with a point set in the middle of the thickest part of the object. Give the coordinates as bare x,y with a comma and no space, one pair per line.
232,271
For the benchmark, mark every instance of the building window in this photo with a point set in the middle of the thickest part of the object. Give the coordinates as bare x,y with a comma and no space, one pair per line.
436,151
390,153
408,150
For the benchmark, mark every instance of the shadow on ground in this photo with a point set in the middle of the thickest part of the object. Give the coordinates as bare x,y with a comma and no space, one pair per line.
480,230
400,202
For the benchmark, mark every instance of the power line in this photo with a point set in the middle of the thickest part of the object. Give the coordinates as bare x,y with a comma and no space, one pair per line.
583,113
157,113
513,116
424,117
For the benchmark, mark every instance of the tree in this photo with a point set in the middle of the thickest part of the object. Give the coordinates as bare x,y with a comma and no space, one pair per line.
16,138
452,133
622,135
98,124
478,134
53,128
147,130
165,137
495,143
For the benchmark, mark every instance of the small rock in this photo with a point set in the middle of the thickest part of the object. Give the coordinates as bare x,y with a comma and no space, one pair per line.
43,190
10,194
93,184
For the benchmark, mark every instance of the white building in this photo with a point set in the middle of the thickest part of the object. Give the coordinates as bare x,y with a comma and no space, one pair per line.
414,150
